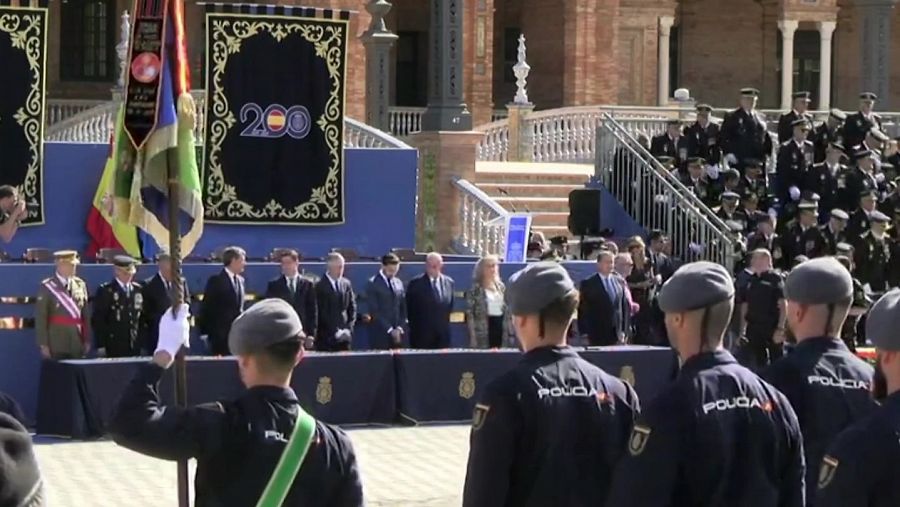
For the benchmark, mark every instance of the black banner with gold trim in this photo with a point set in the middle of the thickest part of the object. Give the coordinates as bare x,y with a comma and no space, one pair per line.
275,89
23,43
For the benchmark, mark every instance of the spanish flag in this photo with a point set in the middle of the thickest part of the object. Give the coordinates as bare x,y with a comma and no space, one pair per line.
105,232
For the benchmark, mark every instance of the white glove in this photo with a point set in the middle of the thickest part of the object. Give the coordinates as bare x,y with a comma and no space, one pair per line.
773,213
713,172
661,199
658,279
731,159
795,193
867,289
174,333
696,248
879,177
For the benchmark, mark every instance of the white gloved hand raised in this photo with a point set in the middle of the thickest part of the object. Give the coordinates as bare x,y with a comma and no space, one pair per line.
731,159
174,333
795,193
879,177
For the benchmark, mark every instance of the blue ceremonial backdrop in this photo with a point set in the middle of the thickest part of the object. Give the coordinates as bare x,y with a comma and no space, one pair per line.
380,210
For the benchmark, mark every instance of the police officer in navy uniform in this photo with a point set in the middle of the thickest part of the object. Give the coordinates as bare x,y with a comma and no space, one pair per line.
861,178
718,435
238,443
766,237
858,124
786,121
873,253
795,157
822,178
805,237
830,131
670,143
744,133
834,231
762,312
860,304
729,210
701,137
116,317
549,431
860,468
861,217
827,385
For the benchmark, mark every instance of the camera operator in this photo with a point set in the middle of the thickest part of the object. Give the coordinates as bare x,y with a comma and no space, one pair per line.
12,212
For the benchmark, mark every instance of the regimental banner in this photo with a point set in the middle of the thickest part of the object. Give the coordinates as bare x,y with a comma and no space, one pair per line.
275,86
23,55
145,62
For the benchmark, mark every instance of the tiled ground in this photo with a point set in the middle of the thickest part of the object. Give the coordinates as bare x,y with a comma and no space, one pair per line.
401,467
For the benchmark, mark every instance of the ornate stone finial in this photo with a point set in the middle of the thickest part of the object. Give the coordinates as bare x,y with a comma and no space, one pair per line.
122,47
521,70
378,9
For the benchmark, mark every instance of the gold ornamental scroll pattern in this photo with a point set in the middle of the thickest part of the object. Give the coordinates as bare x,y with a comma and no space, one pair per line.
226,33
26,28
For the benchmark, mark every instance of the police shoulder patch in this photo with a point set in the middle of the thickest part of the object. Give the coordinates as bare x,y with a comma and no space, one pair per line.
826,471
638,441
479,416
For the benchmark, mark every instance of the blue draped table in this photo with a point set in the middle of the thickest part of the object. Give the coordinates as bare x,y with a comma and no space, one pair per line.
77,398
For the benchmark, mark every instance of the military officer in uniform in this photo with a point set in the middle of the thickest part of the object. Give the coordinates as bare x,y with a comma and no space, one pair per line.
744,133
762,311
828,132
701,137
750,209
718,435
833,232
729,180
873,253
794,160
729,210
860,468
237,443
822,178
858,124
860,179
529,420
860,219
696,181
59,316
827,385
860,304
786,121
805,237
116,316
670,143
754,181
766,237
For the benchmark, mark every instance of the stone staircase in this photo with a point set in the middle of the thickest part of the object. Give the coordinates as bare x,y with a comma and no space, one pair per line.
540,189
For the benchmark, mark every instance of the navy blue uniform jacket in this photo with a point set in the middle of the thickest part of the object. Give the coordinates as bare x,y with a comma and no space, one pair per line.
237,445
829,388
717,436
548,433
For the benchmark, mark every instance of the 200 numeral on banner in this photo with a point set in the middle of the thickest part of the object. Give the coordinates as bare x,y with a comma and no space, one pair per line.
275,121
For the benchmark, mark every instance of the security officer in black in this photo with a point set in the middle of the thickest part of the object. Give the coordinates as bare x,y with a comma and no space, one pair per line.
827,385
822,178
860,468
786,121
858,124
762,312
701,137
238,443
830,131
549,431
744,133
873,253
718,435
116,315
834,231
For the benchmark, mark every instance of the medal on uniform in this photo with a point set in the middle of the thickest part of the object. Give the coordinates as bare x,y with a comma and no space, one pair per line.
138,301
479,416
638,440
826,471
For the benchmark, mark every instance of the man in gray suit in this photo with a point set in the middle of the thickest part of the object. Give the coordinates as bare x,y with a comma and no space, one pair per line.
386,301
603,310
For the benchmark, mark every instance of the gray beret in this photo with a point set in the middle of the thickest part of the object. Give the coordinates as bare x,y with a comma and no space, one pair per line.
694,286
820,281
266,323
530,290
883,322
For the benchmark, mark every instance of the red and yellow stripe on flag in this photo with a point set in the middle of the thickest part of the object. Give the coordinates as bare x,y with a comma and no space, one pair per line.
103,229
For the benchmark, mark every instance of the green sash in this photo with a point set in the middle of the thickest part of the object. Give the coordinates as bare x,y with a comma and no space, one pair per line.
289,463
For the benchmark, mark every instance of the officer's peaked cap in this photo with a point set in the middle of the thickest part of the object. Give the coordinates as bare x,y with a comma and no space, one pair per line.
694,286
530,290
266,323
820,281
883,322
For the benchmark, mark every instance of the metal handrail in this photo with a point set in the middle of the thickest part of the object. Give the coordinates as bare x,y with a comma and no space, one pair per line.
657,199
481,221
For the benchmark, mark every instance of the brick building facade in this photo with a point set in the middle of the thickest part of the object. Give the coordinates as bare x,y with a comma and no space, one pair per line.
581,52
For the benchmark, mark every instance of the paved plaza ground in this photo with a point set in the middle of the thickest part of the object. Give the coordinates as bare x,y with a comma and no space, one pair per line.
401,467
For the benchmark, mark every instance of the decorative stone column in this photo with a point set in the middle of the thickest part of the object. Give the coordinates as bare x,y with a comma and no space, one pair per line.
521,148
875,18
446,110
378,41
826,29
665,31
787,27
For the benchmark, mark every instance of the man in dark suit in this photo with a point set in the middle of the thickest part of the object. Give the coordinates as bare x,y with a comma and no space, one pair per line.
336,303
603,310
157,299
296,290
223,300
386,301
429,300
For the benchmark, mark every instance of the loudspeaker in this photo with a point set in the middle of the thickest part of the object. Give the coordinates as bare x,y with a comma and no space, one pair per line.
584,212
